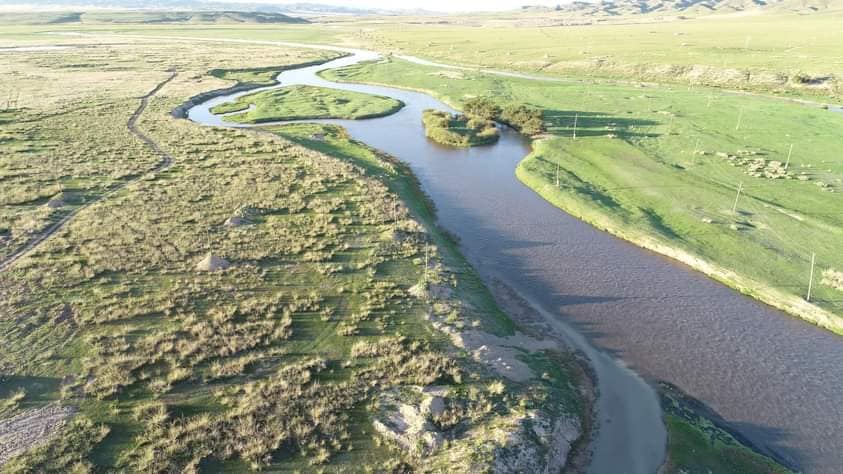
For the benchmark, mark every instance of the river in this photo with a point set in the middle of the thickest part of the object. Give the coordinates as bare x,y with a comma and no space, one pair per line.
637,315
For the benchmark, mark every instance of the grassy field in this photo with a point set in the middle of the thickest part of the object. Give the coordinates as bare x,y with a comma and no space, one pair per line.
459,130
740,51
734,51
306,102
258,305
661,166
254,77
49,134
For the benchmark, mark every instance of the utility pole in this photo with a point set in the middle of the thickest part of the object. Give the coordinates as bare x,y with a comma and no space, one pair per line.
576,118
740,118
811,278
426,260
787,163
735,206
557,175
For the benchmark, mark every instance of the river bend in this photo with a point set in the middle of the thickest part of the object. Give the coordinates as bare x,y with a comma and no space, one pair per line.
778,381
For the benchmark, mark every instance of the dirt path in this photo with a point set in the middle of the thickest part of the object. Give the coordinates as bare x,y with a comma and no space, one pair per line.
166,162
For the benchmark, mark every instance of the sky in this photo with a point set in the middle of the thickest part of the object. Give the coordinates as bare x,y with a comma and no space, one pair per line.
436,5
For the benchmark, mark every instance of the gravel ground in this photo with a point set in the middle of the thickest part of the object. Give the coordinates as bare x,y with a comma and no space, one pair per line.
29,429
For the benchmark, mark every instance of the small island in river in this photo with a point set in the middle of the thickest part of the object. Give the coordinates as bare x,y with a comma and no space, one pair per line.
458,129
302,102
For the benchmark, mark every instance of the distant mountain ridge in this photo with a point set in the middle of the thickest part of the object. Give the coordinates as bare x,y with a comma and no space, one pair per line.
580,8
149,17
205,5
639,7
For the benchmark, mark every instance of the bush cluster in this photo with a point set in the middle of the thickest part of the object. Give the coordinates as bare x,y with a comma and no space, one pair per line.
524,118
459,130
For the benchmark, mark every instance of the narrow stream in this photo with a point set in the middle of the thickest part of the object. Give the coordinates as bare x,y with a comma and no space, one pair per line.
779,381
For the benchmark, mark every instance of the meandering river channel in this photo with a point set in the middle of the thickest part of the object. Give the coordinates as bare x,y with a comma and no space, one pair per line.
777,380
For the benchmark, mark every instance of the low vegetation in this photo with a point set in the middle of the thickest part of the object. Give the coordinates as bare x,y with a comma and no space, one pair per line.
699,47
306,102
245,308
526,119
459,130
63,147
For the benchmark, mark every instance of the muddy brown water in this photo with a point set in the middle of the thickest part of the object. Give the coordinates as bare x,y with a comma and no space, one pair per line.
637,315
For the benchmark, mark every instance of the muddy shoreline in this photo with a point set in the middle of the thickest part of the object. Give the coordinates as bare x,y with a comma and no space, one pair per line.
534,324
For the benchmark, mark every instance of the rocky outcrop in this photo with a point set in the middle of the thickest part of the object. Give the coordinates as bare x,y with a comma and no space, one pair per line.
212,263
540,444
535,441
409,424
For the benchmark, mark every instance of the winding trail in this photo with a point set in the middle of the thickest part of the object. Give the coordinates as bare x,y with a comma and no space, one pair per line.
166,161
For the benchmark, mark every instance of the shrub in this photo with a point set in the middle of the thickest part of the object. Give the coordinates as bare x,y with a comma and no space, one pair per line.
527,120
482,107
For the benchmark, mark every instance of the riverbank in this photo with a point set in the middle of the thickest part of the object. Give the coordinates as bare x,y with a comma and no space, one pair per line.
342,303
244,82
513,322
793,305
675,141
491,331
747,346
701,441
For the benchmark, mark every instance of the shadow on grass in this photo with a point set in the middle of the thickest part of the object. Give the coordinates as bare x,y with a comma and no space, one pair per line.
595,124
773,442
39,390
